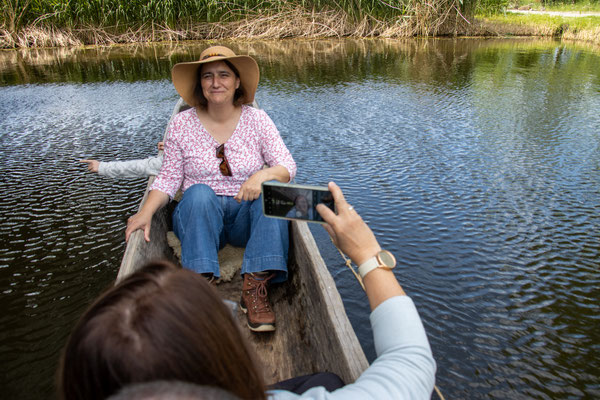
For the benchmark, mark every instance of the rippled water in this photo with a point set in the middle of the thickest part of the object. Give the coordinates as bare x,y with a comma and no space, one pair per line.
477,163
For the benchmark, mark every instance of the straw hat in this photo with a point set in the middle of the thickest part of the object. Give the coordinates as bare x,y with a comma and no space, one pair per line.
184,74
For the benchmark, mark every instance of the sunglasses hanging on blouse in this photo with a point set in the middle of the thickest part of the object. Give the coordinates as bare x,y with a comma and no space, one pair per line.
224,166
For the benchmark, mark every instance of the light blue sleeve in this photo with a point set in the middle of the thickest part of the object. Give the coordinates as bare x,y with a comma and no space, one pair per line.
131,169
404,367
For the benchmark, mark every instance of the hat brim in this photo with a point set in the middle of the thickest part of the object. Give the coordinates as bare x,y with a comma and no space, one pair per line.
184,77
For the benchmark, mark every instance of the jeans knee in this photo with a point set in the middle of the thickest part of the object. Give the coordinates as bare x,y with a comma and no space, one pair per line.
199,194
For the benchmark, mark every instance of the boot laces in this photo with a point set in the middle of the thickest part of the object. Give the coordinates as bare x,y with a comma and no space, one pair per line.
259,293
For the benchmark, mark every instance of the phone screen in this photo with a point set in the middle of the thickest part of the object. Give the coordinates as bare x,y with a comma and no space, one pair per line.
290,201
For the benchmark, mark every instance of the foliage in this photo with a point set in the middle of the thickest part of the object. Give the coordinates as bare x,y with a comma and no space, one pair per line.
170,13
27,23
14,13
490,7
571,5
556,23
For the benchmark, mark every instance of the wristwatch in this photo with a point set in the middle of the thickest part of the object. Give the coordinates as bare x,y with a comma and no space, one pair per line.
383,259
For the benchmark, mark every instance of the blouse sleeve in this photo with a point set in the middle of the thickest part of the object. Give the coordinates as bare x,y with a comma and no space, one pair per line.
170,177
404,368
274,150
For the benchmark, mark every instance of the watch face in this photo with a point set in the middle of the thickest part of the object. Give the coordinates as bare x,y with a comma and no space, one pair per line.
387,259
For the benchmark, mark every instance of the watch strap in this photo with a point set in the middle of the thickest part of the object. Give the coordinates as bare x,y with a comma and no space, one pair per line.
368,266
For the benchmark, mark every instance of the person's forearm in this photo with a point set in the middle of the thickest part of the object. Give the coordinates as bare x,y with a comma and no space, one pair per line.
350,233
381,284
143,219
155,201
278,172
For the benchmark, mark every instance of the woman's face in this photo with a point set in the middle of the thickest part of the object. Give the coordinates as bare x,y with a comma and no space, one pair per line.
219,83
302,204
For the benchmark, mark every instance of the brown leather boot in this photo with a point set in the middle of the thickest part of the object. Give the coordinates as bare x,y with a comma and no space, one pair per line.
255,303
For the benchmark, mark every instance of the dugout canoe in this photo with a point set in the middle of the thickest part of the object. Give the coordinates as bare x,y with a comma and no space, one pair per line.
313,331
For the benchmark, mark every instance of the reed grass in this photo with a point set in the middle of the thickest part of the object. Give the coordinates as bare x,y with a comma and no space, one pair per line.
42,23
119,21
70,13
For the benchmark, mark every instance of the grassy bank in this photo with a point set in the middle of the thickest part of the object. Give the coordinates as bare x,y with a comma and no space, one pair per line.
582,28
502,23
50,23
568,6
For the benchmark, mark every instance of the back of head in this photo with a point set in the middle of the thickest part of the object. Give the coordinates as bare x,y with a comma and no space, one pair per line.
161,323
172,390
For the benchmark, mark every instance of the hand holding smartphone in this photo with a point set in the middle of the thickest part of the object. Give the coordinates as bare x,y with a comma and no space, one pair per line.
295,202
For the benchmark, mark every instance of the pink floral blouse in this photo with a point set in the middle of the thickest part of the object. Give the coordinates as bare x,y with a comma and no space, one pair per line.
191,153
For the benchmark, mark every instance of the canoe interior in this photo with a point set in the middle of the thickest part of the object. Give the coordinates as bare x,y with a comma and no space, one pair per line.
313,331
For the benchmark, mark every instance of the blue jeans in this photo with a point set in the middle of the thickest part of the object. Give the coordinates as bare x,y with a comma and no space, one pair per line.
205,223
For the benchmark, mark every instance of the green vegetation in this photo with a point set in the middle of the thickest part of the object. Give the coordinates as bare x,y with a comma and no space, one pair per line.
577,23
172,13
26,23
490,7
556,23
583,5
42,23
581,28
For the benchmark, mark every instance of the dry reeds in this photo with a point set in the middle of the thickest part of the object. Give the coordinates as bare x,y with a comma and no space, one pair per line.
36,36
259,20
591,35
79,22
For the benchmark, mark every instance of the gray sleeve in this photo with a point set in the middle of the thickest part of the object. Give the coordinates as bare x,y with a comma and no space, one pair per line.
131,169
404,368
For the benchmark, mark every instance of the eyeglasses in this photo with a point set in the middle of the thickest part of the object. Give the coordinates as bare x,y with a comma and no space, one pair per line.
224,166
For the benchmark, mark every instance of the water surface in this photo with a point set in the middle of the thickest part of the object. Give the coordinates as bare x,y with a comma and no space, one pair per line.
476,162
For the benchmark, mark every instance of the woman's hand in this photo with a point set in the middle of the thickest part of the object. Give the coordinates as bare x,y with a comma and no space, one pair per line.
251,189
92,165
143,219
140,220
352,235
347,229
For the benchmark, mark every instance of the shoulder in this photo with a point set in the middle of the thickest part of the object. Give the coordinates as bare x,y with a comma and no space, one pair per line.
258,121
255,114
185,116
182,122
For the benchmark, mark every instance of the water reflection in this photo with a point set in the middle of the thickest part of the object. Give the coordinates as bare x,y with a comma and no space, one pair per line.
433,62
475,161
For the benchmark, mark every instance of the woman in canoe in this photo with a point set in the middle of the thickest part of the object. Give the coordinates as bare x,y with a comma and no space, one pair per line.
216,152
149,328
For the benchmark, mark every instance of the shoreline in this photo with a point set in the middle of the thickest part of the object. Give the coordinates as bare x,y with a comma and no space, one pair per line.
301,26
566,14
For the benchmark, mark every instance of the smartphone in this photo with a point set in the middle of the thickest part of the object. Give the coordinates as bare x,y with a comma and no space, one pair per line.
291,201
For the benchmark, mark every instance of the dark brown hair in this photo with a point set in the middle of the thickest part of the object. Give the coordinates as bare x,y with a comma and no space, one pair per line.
161,323
172,390
238,96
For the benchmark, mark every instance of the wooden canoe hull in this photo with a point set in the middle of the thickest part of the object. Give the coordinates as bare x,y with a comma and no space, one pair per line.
313,331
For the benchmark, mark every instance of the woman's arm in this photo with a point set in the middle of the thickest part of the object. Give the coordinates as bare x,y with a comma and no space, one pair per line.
251,189
352,235
143,219
170,176
404,368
